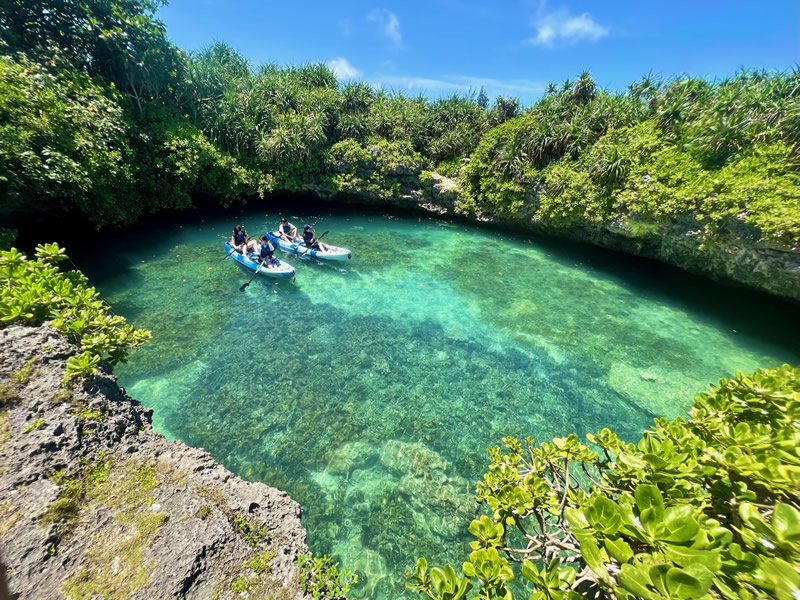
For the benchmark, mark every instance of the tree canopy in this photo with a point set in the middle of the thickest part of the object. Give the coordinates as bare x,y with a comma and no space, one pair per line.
100,113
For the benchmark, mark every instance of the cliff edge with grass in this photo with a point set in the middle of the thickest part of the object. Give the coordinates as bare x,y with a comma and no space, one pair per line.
94,503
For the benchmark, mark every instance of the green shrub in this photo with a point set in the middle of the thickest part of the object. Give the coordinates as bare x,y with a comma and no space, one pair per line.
251,534
321,577
375,168
36,424
33,291
260,563
701,508
239,585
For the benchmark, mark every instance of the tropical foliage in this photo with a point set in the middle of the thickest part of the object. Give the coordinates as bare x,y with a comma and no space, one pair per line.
725,154
101,115
701,508
34,291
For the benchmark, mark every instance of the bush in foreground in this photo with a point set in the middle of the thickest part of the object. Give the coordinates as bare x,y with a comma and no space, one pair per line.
34,291
698,509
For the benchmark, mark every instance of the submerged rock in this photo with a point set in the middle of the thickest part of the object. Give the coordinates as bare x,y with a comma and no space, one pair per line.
95,503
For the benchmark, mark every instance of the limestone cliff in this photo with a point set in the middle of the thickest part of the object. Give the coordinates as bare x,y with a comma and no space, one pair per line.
94,503
734,255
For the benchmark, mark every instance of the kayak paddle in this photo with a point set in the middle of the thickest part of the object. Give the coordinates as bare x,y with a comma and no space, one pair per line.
308,248
244,285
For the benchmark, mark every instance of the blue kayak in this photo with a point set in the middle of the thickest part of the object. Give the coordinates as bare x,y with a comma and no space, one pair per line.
281,270
332,253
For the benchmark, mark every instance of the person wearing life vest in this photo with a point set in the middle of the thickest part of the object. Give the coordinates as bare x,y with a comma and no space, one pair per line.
239,239
310,239
264,253
287,231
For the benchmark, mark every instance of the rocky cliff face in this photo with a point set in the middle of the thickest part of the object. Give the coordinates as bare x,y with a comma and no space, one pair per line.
94,503
735,255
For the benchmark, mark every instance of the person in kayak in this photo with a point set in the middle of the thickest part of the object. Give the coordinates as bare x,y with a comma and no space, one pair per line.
310,239
262,253
239,239
287,231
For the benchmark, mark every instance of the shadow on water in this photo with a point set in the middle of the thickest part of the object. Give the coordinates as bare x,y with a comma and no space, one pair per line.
731,307
369,389
728,305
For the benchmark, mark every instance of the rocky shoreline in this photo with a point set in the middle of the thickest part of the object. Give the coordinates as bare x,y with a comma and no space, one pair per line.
734,255
95,503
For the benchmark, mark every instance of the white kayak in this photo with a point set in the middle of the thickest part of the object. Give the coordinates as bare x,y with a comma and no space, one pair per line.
281,270
332,253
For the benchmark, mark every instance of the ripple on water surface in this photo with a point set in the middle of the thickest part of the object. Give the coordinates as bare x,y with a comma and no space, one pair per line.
369,390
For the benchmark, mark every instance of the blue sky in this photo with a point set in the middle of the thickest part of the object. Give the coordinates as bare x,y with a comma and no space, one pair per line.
512,48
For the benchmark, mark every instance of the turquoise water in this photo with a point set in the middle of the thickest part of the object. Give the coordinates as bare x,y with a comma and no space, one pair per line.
369,390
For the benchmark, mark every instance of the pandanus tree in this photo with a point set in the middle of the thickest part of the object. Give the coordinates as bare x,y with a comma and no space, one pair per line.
504,109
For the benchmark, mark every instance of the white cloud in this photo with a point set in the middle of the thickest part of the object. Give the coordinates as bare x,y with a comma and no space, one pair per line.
389,24
343,69
345,27
561,26
524,88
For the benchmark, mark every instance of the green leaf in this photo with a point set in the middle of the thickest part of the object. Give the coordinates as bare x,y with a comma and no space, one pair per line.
658,575
688,556
422,567
619,549
655,461
531,573
632,461
636,580
680,524
783,577
651,507
469,569
591,554
576,518
649,497
604,515
786,523
683,585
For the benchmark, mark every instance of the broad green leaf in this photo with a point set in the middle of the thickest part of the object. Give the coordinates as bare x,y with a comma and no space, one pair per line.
655,461
783,577
651,507
649,497
689,556
786,523
576,518
682,585
636,580
680,524
632,461
619,549
438,580
531,573
604,515
658,575
422,566
593,557
469,569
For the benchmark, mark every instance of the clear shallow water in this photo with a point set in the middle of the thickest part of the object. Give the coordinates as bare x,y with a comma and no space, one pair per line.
369,390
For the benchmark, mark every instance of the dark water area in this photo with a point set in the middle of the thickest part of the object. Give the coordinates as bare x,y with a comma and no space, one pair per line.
370,389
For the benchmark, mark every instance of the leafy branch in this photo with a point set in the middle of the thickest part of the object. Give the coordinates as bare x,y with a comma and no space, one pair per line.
701,508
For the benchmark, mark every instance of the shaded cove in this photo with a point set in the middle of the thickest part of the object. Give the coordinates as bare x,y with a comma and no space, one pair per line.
369,390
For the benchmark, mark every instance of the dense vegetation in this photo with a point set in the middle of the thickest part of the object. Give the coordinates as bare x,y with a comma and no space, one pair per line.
701,508
34,291
100,113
